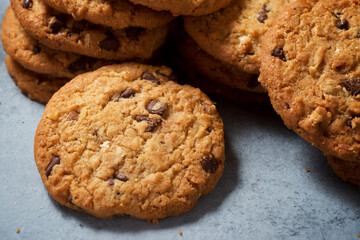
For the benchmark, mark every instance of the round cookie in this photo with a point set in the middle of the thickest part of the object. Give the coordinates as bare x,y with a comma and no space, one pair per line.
116,14
185,7
60,31
215,70
37,87
310,68
348,171
233,34
125,140
36,57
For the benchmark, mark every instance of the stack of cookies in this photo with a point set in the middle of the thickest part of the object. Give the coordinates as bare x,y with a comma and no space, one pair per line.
224,48
310,66
51,41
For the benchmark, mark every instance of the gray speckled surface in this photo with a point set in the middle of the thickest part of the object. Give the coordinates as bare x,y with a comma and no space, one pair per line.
265,192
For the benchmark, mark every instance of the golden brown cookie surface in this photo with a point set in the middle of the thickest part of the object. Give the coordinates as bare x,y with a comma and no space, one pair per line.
125,140
311,70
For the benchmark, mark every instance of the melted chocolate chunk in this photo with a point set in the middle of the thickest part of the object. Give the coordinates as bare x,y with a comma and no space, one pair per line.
27,4
352,85
279,53
150,77
121,177
110,181
253,83
262,17
152,122
156,107
55,25
209,164
73,116
343,24
127,93
54,161
110,44
36,50
77,66
133,33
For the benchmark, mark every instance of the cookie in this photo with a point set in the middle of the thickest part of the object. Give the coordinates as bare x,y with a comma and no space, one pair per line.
233,34
215,70
60,31
185,7
310,68
348,171
38,58
37,87
125,140
116,14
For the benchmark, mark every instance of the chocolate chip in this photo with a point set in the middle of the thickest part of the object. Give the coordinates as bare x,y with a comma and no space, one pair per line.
150,77
133,33
110,44
70,199
73,31
349,123
110,181
264,8
279,53
36,50
352,85
156,107
54,161
73,116
127,93
77,66
206,107
209,129
287,106
209,164
343,24
27,4
253,83
262,17
95,133
152,122
121,177
55,25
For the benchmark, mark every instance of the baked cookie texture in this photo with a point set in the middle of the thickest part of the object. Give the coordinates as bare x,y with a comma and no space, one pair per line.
125,140
349,171
60,31
185,7
37,87
233,34
116,14
36,57
215,70
310,68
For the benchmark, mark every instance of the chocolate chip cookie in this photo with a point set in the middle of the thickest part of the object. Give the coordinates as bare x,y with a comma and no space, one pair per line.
36,86
233,34
60,31
215,70
185,7
36,57
349,171
116,14
125,140
310,68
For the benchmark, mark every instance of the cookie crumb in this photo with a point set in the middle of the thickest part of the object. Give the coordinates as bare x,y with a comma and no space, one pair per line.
308,170
180,232
17,230
358,235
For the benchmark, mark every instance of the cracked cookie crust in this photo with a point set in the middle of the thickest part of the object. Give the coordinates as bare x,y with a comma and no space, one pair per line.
124,139
311,71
